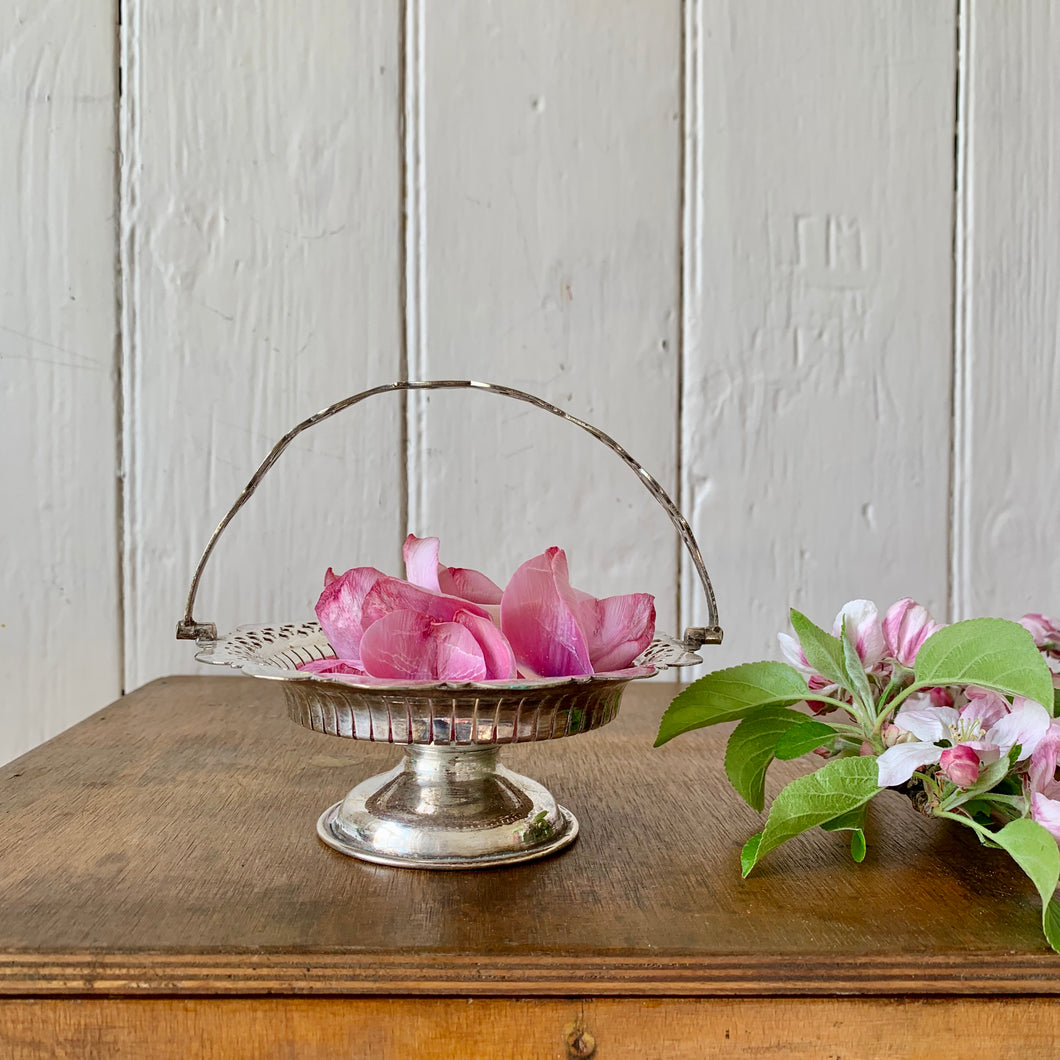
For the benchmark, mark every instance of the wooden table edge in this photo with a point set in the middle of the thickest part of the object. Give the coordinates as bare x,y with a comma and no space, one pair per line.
255,974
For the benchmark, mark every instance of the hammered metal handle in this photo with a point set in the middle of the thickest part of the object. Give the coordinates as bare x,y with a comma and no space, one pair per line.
695,636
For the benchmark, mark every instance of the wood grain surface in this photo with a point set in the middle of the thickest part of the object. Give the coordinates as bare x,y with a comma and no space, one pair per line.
166,846
606,1029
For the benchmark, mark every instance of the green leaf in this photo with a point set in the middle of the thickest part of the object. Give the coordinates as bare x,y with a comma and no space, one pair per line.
1056,702
727,695
857,681
1051,924
857,845
803,738
750,750
1034,849
749,854
854,821
823,651
989,652
835,789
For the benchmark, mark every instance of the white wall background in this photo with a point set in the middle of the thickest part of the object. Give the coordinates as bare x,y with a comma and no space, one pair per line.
803,260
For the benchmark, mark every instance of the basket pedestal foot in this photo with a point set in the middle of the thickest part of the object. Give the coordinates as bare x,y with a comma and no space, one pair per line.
448,807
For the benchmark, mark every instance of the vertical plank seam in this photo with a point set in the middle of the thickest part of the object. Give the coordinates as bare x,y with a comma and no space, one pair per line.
691,249
414,264
128,192
959,594
403,263
119,374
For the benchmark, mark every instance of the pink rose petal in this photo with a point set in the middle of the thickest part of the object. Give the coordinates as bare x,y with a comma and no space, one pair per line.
330,666
617,628
421,561
393,594
340,609
496,651
408,645
539,617
422,568
469,584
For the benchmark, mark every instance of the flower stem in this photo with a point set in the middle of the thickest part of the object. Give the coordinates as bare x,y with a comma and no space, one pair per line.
961,818
890,708
1019,801
887,693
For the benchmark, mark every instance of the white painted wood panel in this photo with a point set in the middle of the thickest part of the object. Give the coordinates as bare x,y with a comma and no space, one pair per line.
59,627
818,306
550,185
263,231
746,276
1009,560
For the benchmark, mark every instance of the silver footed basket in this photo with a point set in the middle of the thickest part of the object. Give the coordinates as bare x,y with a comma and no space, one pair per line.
449,804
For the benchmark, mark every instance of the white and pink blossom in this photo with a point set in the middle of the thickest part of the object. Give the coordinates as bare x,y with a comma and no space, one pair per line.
1045,808
1046,636
987,725
1043,629
861,619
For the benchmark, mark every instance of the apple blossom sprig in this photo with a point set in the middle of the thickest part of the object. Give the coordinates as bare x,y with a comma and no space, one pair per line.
958,717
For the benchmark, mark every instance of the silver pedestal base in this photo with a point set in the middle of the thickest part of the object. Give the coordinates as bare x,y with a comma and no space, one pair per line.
448,807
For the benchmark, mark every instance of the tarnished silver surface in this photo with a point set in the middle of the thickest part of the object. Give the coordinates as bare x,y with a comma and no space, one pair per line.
450,804
492,712
435,715
448,808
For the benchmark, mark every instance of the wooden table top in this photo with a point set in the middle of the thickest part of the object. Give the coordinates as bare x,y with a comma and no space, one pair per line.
167,846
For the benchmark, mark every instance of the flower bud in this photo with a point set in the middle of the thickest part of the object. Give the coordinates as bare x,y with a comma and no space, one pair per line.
961,765
906,626
893,734
861,621
941,697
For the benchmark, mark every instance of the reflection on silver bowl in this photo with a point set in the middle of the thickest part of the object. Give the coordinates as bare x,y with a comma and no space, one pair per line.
449,803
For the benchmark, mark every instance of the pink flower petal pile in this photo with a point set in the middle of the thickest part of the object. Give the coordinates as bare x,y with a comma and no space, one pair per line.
454,624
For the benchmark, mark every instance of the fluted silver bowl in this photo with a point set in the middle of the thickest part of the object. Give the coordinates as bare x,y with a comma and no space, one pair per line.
449,804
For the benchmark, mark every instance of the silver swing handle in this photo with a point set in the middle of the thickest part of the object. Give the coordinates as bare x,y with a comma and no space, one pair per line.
696,636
